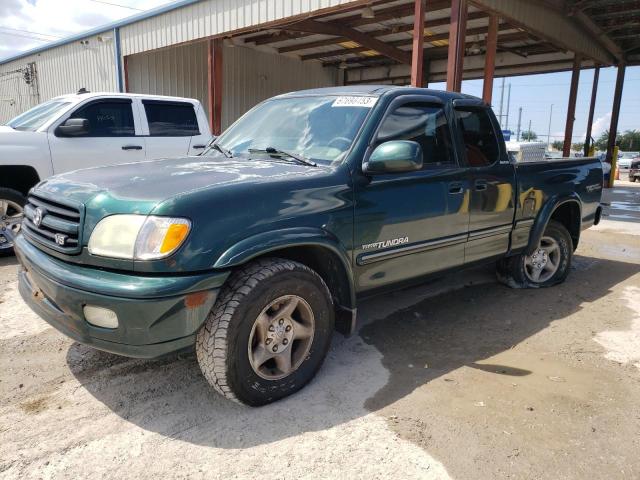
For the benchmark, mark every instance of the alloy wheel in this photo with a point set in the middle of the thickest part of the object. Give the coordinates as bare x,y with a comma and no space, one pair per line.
10,219
281,337
544,262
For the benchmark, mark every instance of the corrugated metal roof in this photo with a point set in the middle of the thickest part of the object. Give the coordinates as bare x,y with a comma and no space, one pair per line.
215,17
103,28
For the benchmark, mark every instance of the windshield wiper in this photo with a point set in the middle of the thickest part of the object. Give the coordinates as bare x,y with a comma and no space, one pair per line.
274,151
222,150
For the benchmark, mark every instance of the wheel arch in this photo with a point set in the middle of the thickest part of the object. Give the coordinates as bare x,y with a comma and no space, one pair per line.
566,210
315,248
18,177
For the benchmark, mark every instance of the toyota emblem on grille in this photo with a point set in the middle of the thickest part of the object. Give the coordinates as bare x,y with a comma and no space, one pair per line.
37,217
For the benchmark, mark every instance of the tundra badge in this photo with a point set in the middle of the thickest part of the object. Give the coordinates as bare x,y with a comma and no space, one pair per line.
388,243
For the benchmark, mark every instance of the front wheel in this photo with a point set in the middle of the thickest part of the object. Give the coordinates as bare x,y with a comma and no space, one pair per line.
548,265
268,333
11,206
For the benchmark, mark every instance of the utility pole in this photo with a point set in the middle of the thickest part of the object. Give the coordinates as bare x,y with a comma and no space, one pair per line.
549,130
506,125
529,134
519,121
501,101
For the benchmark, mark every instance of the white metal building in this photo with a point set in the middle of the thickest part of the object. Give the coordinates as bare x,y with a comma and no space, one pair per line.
230,54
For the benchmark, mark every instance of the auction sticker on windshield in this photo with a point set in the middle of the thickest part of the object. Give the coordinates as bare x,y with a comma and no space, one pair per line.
366,102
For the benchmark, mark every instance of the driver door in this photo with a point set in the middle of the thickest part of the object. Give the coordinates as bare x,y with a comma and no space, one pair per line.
413,223
111,138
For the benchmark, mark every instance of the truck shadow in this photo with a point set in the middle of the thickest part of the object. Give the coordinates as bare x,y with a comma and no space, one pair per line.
364,373
8,260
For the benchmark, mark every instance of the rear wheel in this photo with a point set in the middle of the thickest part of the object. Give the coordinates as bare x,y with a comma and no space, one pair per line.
548,265
268,333
11,206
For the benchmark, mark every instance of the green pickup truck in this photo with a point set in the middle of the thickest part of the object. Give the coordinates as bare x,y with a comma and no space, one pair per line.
257,250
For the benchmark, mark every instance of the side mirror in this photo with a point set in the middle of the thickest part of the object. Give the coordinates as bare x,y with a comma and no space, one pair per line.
395,156
73,127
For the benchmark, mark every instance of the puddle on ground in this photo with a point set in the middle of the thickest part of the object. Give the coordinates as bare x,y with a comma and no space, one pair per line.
634,207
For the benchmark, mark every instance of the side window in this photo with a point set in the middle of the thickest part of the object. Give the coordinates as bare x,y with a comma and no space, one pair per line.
171,119
422,123
480,141
107,118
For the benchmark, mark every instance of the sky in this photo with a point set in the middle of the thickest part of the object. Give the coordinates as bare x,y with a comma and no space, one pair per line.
26,24
536,93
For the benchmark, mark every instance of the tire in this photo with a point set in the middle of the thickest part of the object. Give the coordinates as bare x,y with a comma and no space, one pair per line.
16,202
232,339
632,179
519,271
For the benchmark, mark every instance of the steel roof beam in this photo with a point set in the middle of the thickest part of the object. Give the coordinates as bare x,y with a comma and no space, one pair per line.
588,4
399,43
601,36
436,53
506,65
614,10
383,14
551,25
339,30
382,32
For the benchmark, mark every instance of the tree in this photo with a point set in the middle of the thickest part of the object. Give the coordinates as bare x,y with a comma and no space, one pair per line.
602,141
629,140
577,147
558,145
528,135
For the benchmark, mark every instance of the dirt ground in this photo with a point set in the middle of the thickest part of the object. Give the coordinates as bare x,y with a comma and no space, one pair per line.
462,378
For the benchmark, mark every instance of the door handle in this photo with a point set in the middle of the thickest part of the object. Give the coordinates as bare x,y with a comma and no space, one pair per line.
198,146
131,147
481,185
455,188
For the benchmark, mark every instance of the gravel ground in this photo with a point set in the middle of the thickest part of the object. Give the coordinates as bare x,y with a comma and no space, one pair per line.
462,378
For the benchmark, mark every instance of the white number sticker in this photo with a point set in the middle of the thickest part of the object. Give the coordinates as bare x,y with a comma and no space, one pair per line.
366,102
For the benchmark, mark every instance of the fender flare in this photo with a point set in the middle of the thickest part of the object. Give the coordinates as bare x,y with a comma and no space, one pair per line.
263,243
544,215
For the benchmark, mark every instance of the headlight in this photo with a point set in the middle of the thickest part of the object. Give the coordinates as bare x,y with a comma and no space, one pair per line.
138,237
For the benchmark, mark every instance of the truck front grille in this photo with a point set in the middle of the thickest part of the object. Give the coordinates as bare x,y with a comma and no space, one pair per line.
53,223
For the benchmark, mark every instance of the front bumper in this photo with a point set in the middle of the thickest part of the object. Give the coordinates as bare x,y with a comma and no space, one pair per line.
156,314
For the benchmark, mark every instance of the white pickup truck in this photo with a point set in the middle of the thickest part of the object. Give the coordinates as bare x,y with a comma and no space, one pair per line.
88,130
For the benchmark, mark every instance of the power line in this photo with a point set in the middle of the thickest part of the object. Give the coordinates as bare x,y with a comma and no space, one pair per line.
116,5
29,31
567,84
31,37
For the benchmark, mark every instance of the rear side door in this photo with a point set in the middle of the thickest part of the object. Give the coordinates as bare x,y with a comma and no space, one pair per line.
492,176
171,129
412,223
113,136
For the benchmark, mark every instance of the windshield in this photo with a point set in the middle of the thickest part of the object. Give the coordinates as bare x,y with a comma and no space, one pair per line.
316,128
39,115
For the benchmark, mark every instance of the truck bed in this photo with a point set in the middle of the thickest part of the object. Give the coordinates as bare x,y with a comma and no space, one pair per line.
546,180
